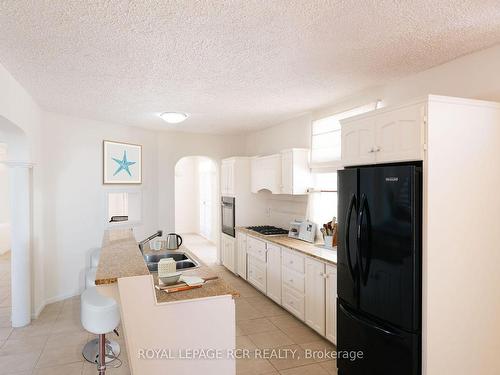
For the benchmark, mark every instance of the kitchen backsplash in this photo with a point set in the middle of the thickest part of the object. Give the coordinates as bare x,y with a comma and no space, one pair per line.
282,209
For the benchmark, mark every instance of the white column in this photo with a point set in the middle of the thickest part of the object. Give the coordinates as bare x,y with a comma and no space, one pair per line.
20,215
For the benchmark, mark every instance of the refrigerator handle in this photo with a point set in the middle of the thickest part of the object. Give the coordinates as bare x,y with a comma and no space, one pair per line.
373,325
352,204
363,208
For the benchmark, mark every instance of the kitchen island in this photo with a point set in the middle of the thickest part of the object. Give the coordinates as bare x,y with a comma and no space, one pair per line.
167,333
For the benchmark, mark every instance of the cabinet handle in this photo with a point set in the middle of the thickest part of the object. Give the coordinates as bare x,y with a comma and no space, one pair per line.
291,262
378,149
371,150
291,281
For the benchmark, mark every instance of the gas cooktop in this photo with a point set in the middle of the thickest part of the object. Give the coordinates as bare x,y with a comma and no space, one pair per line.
268,230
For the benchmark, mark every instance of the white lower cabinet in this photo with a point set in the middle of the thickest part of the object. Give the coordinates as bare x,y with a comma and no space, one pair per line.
293,282
228,252
303,285
315,295
331,304
274,272
293,301
257,273
241,243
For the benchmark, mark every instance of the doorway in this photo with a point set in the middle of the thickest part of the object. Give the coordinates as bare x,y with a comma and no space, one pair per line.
15,224
196,192
5,279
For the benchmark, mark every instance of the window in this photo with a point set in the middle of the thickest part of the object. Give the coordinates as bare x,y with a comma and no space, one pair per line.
124,207
322,200
326,139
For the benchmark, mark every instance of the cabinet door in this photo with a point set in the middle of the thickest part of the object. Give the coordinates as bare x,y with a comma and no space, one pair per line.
331,303
358,142
315,295
295,172
242,255
274,273
399,134
228,256
257,273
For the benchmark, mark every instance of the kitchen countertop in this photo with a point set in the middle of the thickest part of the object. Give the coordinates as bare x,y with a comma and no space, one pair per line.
121,257
329,256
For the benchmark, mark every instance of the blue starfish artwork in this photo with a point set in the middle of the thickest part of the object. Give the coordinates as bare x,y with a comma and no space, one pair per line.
124,164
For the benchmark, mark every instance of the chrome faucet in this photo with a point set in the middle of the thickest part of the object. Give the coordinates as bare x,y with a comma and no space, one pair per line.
150,238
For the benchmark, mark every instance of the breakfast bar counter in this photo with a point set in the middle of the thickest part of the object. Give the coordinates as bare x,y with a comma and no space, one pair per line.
153,319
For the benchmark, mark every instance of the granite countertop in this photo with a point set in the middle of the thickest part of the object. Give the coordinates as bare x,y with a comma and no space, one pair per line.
121,257
327,255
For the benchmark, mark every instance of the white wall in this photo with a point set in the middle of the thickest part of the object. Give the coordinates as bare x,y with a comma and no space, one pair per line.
4,205
75,198
186,195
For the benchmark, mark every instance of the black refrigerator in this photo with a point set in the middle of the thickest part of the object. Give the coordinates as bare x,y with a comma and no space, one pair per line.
379,270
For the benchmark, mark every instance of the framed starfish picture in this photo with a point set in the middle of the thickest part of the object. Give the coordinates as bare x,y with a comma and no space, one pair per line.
122,163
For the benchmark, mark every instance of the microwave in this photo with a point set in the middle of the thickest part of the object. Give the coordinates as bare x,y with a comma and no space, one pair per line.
228,216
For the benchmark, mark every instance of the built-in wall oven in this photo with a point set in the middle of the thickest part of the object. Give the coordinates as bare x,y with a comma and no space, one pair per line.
227,216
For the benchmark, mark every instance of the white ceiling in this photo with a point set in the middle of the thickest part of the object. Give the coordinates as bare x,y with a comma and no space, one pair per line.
233,65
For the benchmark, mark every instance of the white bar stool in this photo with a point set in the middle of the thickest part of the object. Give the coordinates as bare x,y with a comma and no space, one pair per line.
90,277
100,315
95,254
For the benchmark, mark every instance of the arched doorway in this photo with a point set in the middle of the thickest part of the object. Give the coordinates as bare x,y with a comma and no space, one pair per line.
15,158
196,200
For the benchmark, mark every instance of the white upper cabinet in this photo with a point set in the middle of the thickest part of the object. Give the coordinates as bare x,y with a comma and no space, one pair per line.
357,142
399,134
266,173
227,173
295,173
283,173
384,136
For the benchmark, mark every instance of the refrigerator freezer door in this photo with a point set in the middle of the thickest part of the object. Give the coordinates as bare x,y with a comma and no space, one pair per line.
347,260
386,351
389,249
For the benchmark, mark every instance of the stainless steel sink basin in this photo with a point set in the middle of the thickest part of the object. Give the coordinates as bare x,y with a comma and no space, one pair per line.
183,260
155,258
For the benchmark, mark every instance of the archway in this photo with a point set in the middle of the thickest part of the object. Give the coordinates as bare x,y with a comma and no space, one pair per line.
16,159
196,198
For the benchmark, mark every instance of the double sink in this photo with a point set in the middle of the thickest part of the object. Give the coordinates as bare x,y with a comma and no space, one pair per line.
182,260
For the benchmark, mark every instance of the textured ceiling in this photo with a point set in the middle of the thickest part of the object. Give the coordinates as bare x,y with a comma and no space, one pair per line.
233,65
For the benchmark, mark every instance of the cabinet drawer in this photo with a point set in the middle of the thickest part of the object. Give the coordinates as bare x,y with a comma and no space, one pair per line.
293,302
293,279
257,273
256,248
293,260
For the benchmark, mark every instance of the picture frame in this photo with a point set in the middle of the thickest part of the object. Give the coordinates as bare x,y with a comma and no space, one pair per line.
122,163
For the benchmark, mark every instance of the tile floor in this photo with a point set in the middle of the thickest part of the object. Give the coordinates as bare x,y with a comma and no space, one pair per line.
52,344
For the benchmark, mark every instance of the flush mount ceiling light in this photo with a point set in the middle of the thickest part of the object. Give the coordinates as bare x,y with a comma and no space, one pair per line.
174,117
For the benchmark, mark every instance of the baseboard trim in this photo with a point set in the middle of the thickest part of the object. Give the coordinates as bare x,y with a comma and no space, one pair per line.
54,299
